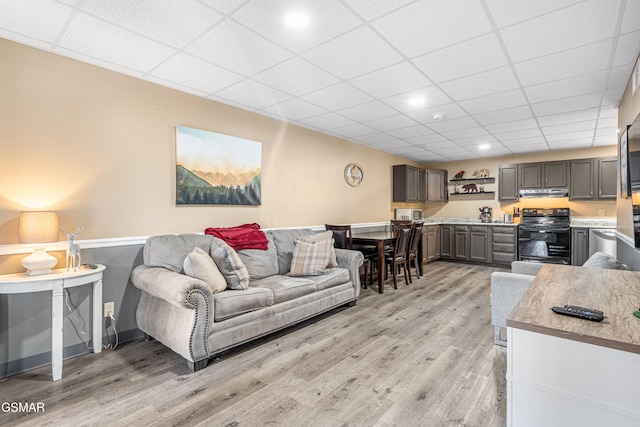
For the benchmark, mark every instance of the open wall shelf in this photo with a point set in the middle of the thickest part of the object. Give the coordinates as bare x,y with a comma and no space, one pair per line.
485,195
487,180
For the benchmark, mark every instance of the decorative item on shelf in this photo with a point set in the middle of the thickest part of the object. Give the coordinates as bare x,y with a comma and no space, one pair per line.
38,228
481,173
353,174
470,188
459,175
73,251
456,188
481,187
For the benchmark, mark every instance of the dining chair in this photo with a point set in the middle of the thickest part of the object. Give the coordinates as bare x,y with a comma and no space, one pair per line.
412,252
398,257
343,240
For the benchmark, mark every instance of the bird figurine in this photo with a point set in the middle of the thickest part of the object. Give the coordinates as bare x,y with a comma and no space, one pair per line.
459,175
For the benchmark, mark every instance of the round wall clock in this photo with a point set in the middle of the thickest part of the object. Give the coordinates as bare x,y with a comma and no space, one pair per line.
353,174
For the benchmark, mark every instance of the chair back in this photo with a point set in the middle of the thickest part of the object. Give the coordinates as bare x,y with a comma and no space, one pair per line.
341,235
402,235
414,241
395,223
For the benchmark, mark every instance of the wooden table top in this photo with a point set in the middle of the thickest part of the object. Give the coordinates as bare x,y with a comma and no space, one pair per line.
615,292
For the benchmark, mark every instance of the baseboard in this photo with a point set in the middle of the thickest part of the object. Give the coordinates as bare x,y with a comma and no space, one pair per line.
32,362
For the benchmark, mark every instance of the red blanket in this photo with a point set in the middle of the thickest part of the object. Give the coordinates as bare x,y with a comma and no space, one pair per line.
246,236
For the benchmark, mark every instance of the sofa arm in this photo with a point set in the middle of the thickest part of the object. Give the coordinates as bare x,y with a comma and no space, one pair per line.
526,267
352,261
176,288
506,291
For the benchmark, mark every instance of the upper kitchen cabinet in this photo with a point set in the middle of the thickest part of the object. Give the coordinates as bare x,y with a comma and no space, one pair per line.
508,183
593,179
412,184
437,185
544,175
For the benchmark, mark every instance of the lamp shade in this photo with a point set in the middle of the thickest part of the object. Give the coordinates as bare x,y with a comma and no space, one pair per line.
38,227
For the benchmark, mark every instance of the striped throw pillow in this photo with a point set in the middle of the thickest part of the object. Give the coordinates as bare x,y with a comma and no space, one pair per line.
311,256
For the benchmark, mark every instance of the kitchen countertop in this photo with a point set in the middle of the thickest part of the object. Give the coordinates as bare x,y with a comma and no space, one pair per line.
593,222
463,221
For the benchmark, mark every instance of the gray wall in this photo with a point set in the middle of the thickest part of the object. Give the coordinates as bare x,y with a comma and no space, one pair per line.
25,319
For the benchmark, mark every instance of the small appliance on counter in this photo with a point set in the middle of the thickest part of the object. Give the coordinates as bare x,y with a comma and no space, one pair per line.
409,214
485,214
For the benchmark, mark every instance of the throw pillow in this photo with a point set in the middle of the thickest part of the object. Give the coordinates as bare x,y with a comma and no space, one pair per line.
198,264
603,260
230,264
325,236
311,256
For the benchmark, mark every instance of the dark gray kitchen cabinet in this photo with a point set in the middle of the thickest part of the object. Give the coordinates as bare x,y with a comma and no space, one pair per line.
436,185
431,242
544,175
579,245
508,183
461,243
447,233
607,178
583,179
478,243
504,244
409,184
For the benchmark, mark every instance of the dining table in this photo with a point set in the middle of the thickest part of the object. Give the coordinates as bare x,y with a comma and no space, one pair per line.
379,239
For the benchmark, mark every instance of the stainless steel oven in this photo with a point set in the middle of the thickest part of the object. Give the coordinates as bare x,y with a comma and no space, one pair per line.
544,235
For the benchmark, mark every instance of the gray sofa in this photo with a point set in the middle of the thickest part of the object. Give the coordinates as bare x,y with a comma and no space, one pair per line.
183,312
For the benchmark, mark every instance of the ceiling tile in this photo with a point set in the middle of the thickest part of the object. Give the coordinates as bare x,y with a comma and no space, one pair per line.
525,141
512,126
569,127
465,133
409,132
375,138
338,97
565,88
353,130
174,22
237,49
328,19
432,95
570,144
92,37
627,48
463,59
224,6
518,134
297,77
508,12
427,25
453,124
570,136
369,111
252,94
396,79
450,111
195,73
485,83
630,20
591,21
428,139
389,123
372,9
496,101
502,116
295,109
352,54
529,148
386,145
328,121
176,86
41,20
574,103
582,60
570,117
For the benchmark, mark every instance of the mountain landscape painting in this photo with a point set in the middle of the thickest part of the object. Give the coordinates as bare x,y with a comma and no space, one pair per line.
216,169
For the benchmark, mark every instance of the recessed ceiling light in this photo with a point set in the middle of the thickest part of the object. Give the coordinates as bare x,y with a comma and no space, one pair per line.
484,146
417,101
438,116
296,20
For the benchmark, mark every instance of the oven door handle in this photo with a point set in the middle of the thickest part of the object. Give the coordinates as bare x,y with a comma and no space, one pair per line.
545,230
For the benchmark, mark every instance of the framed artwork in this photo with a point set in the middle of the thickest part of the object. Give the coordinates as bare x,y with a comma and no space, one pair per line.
625,177
217,169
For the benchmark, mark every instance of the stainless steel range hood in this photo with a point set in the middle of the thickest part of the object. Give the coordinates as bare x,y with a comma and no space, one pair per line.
544,192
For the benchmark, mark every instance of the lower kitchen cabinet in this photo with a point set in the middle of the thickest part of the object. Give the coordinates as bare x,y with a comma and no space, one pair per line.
479,243
461,243
504,244
431,242
447,242
579,245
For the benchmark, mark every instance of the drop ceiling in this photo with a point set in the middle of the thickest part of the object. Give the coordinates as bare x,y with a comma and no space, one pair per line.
512,76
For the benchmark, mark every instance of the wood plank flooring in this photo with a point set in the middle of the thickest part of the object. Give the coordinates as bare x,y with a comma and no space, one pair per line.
421,355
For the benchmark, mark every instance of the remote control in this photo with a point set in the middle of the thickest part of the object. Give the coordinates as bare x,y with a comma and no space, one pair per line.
580,312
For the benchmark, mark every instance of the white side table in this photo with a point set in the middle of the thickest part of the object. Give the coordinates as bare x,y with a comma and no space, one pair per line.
56,282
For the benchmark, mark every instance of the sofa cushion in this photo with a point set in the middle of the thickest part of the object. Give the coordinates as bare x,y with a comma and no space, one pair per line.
327,235
284,245
310,256
261,263
231,303
170,250
604,260
286,288
230,264
199,264
333,277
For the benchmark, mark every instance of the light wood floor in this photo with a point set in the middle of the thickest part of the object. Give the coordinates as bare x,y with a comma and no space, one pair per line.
422,355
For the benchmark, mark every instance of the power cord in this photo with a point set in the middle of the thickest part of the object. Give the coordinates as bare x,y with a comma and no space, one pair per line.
82,333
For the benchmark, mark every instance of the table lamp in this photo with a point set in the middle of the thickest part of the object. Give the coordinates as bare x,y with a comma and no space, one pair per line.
38,228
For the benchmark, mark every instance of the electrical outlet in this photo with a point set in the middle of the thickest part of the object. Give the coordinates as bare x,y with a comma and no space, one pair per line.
108,309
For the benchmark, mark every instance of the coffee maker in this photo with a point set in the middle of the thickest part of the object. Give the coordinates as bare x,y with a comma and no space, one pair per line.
485,214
